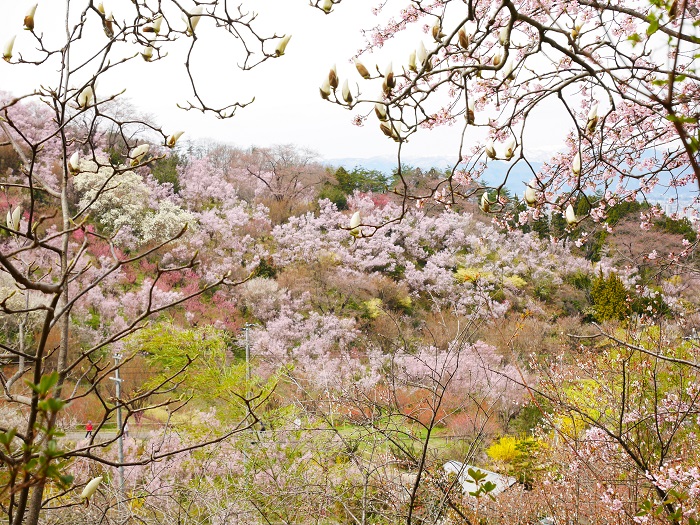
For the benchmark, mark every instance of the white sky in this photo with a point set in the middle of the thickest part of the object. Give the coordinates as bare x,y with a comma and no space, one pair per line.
287,109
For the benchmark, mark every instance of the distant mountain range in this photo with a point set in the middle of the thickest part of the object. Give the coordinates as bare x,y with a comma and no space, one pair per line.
496,172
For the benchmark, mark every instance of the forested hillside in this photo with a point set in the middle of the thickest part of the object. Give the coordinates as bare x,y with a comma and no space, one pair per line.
378,349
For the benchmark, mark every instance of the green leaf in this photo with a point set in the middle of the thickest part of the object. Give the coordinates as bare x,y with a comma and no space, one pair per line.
489,486
634,38
66,480
681,119
653,26
7,437
476,475
55,404
52,448
644,508
45,384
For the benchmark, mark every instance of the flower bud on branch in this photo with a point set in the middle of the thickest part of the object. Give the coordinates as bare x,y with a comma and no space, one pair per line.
90,489
325,89
576,164
438,35
279,50
362,70
355,221
172,139
7,49
333,77
74,162
138,153
192,19
347,96
29,18
531,194
380,111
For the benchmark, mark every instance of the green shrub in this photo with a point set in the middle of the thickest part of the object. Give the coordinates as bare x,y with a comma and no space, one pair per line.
610,298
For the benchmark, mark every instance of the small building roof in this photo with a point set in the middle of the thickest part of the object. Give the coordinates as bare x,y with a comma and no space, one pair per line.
461,470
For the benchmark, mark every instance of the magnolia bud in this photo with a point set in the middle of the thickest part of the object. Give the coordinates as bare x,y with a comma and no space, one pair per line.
325,89
380,111
504,36
74,162
91,487
327,5
438,35
193,19
485,203
16,216
172,139
386,128
470,111
157,21
592,121
673,10
389,76
138,153
13,218
531,194
490,150
421,53
7,50
362,70
86,97
576,164
497,58
101,8
333,77
509,146
347,96
389,80
508,70
412,66
593,113
29,18
463,38
279,50
389,130
570,215
576,30
147,53
107,25
355,221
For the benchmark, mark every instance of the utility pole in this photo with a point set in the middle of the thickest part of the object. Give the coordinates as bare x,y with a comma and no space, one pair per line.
246,329
120,434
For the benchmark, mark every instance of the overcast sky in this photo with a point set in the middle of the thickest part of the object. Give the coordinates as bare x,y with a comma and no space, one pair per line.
287,107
